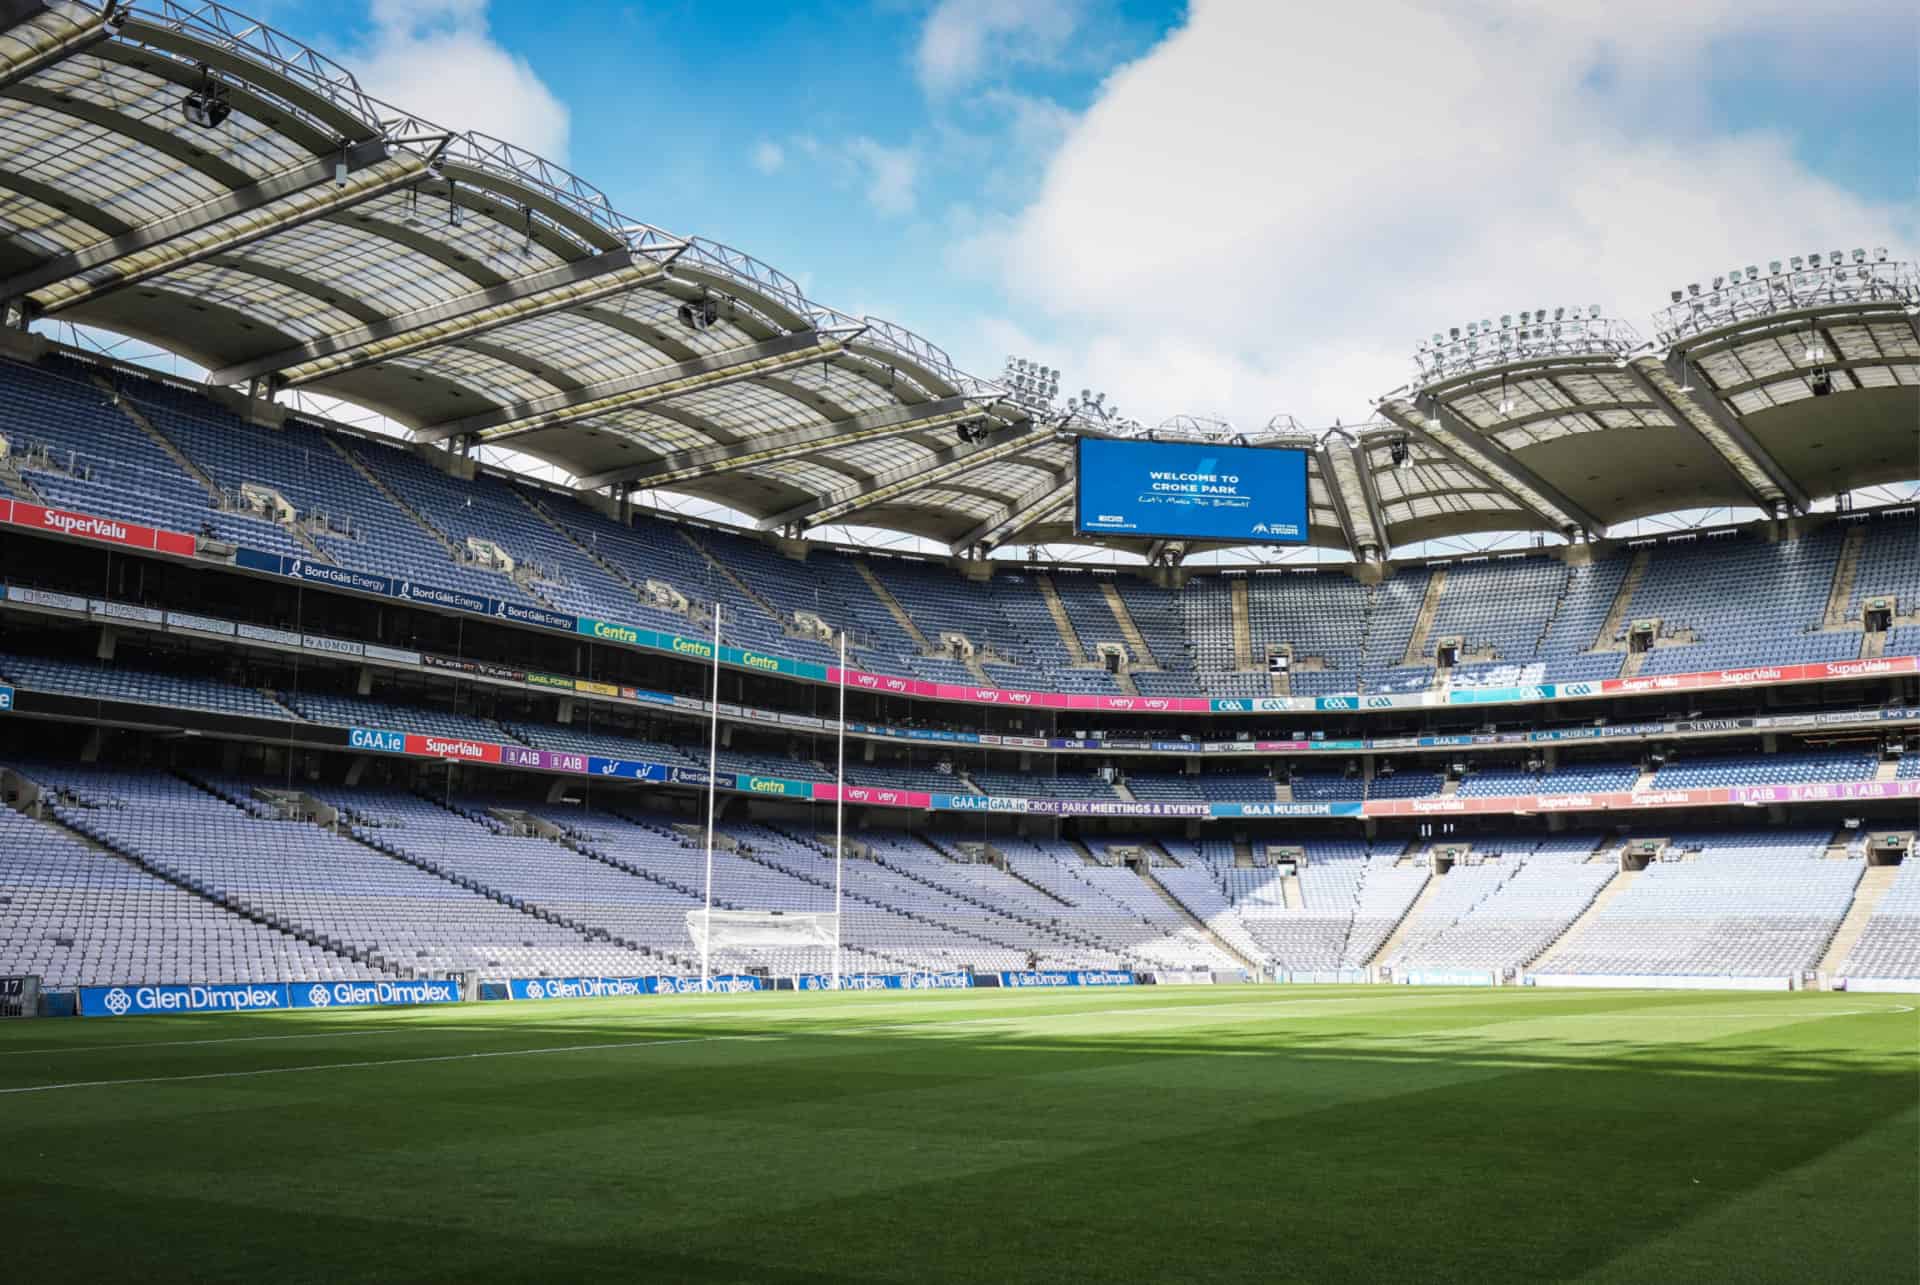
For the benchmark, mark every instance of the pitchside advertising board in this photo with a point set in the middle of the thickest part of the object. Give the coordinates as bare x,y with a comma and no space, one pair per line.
1190,491
253,997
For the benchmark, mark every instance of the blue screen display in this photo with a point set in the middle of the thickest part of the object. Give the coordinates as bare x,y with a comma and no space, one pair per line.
1191,491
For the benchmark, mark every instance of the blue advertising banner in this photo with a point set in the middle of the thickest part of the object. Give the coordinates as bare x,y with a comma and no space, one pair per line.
956,980
373,738
726,983
143,1001
383,994
627,769
1190,490
536,616
580,987
1286,809
1068,977
6,700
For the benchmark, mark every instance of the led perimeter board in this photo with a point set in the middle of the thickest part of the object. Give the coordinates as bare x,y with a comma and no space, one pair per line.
1190,491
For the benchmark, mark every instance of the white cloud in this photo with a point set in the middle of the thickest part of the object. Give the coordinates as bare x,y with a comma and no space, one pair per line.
889,174
438,59
964,39
1270,210
768,156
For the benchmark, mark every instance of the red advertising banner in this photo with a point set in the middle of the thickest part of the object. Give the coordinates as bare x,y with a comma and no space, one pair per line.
874,796
1763,676
453,747
86,526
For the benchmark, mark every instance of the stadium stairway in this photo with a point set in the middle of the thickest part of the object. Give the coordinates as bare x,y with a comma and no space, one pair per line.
232,904
1291,895
1416,653
1622,603
1846,570
1237,595
728,574
1867,894
193,470
1069,638
591,553
1143,657
1620,882
894,609
1887,770
1408,921
1195,922
352,457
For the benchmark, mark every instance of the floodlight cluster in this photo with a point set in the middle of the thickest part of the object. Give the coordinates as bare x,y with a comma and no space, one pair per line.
1803,281
1030,384
1529,335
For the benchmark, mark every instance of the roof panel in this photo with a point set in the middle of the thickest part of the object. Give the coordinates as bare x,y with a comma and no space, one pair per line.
748,406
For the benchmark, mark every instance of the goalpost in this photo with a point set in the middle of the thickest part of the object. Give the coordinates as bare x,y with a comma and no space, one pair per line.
761,929
769,929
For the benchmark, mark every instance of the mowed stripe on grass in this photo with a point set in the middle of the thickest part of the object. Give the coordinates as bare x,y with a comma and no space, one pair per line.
1311,1133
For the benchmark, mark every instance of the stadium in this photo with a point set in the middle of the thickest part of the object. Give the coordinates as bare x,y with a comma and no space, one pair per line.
1469,844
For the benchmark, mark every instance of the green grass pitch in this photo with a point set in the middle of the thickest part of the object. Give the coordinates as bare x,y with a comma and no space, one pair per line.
1318,1134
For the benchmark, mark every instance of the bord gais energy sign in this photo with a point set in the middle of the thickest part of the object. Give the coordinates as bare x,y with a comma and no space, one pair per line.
1190,491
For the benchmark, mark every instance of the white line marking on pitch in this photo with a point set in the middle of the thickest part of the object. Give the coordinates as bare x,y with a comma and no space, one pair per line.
394,1061
227,1039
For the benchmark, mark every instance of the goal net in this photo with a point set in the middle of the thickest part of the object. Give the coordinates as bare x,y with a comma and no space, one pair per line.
19,996
757,931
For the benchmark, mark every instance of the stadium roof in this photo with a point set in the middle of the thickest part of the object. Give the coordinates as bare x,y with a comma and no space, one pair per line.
182,174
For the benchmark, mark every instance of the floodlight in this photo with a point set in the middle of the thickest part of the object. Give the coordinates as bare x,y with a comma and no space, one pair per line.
340,171
1397,452
1880,254
1677,295
1798,263
1833,257
1859,256
1773,267
1718,282
1813,259
1820,381
1593,311
1693,288
1753,273
206,105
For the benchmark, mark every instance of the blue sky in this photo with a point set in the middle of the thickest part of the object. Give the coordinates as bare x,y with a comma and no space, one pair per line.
1235,207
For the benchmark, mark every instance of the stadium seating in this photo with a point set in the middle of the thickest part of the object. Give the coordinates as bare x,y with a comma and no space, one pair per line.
1741,904
1724,600
1889,945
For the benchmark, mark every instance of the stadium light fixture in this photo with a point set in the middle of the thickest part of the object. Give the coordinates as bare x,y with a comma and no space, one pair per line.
206,105
1506,397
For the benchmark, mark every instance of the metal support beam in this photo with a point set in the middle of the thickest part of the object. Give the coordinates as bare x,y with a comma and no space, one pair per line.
1016,514
766,448
571,285
1543,503
628,391
52,46
1691,384
1337,492
318,174
901,479
1370,498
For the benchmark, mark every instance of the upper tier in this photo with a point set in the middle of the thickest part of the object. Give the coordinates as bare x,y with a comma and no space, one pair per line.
110,443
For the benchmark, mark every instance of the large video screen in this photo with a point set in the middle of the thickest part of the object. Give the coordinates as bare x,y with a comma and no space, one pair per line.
1191,491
